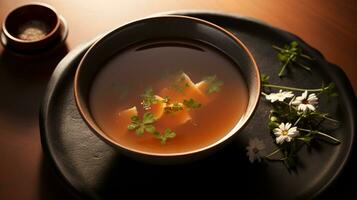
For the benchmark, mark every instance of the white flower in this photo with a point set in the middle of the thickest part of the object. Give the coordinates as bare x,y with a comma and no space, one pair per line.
305,103
255,150
280,96
285,133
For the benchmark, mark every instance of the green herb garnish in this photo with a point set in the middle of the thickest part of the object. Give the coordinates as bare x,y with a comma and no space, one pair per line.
140,126
146,125
214,85
191,103
168,134
290,54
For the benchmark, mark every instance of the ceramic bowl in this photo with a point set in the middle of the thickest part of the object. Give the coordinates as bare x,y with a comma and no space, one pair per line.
156,28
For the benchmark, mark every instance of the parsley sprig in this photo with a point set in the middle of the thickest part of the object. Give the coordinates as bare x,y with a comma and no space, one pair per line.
140,126
289,55
149,98
146,125
168,134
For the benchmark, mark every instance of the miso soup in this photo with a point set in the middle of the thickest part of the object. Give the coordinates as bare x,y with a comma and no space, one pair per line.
168,96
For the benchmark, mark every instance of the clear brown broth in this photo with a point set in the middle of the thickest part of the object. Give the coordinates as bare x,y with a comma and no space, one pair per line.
121,81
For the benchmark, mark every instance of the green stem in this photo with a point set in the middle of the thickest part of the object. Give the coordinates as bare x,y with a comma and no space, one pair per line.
297,121
284,50
285,65
294,89
273,153
324,115
277,48
327,118
304,66
306,56
279,159
336,141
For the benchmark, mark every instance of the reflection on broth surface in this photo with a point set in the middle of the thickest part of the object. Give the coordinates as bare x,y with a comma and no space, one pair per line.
188,87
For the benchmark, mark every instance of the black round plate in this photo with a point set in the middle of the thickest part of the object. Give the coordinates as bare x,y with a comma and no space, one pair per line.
98,171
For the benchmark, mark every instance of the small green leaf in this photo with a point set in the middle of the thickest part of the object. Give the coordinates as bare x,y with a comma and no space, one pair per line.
148,118
169,133
132,126
282,57
264,78
272,125
135,118
294,44
163,140
140,131
150,128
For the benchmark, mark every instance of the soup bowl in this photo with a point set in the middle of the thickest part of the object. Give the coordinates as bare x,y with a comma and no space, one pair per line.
158,28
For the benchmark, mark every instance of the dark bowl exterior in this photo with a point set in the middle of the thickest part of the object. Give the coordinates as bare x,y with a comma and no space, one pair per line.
156,28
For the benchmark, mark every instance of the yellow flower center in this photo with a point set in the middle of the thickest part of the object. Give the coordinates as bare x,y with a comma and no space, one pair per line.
284,132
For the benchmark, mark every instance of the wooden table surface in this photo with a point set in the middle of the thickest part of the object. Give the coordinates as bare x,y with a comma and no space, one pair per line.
330,26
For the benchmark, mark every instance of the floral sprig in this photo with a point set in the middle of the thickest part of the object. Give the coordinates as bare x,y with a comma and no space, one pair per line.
294,121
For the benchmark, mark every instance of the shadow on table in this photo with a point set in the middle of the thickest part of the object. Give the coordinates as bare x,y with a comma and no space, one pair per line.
52,185
344,187
23,79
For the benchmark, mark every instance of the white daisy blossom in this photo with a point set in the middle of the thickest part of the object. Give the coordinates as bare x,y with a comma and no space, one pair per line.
305,103
285,133
280,96
255,150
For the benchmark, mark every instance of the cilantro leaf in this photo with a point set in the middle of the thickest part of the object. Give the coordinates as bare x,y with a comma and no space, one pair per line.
148,118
